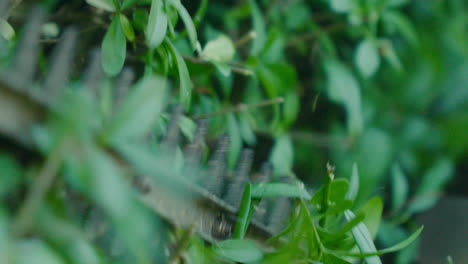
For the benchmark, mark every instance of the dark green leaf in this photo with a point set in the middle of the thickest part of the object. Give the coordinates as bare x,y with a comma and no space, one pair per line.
184,76
114,48
189,26
399,187
242,221
127,4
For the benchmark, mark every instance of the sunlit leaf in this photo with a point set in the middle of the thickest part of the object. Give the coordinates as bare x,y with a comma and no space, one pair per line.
157,24
114,48
220,49
6,30
239,250
107,5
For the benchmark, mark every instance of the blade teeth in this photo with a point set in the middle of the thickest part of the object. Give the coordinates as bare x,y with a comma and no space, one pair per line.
123,84
217,167
239,180
172,137
25,61
59,72
94,73
193,151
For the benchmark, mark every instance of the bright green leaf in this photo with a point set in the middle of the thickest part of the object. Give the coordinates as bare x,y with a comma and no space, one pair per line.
127,28
157,24
107,5
264,190
341,6
220,49
239,250
242,221
353,183
36,251
367,57
114,48
6,30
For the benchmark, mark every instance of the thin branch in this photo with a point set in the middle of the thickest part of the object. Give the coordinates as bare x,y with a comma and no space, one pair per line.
241,107
236,69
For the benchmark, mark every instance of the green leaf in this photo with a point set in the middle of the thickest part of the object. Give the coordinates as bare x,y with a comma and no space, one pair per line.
140,19
239,250
188,22
259,28
157,24
187,127
36,251
220,49
264,190
139,112
367,57
114,48
399,188
353,184
363,239
107,5
401,245
389,54
242,221
184,76
402,24
127,4
373,211
282,156
127,28
344,89
246,129
432,183
331,258
235,140
6,30
341,6
291,107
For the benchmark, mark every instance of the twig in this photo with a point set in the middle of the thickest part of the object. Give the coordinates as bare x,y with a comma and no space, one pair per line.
42,184
241,107
245,39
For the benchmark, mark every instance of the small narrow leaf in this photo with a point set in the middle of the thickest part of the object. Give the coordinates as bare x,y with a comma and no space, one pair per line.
373,211
242,221
282,156
239,250
264,190
184,76
188,22
259,28
363,239
127,28
114,48
399,187
157,24
353,183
